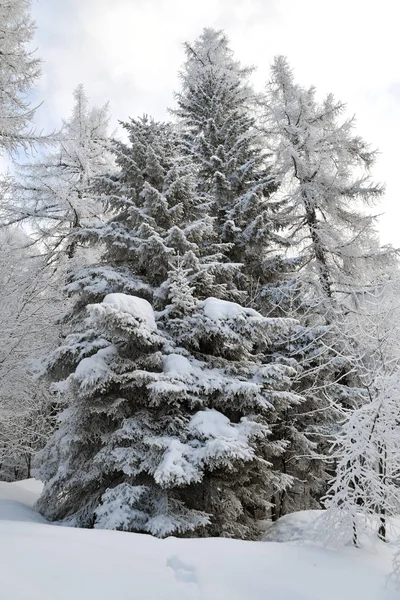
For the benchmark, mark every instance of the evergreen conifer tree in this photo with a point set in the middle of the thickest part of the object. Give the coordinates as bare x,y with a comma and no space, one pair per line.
167,426
216,118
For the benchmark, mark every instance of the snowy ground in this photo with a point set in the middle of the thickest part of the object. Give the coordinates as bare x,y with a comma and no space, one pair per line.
39,561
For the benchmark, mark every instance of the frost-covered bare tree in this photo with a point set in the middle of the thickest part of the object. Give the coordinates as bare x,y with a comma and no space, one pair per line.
51,197
19,70
51,194
27,312
25,411
365,490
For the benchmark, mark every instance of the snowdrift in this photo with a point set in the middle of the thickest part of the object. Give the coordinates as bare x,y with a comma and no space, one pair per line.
41,561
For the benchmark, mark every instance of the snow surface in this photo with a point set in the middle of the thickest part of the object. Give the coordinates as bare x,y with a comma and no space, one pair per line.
218,310
306,526
134,306
40,561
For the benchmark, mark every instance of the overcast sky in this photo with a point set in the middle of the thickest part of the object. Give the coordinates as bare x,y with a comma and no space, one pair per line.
129,52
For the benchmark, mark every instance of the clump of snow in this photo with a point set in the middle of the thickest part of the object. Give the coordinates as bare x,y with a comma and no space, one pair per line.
177,464
137,307
177,365
95,368
223,440
218,310
212,423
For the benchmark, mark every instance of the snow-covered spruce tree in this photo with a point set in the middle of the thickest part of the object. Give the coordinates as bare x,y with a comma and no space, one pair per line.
51,194
167,424
157,215
215,115
309,471
19,70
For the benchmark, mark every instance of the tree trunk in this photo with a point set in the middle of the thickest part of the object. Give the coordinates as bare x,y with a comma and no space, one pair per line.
274,509
355,535
382,476
28,460
323,271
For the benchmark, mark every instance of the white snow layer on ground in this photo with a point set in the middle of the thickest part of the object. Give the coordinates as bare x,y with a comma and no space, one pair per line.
40,561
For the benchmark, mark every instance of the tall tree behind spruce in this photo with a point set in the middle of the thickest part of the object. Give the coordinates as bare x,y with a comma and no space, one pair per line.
18,72
166,430
218,128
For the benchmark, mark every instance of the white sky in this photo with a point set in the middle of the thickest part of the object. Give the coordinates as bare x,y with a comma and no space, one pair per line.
129,52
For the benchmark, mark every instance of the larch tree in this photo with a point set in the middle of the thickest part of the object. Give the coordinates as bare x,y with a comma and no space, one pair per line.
324,193
166,429
324,173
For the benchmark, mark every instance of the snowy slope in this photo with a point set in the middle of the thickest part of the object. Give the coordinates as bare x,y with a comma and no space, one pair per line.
39,561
